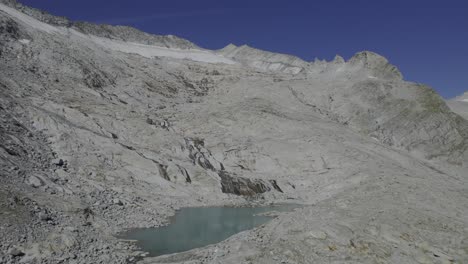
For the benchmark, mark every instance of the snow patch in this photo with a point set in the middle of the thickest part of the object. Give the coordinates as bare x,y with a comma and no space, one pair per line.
372,77
155,51
465,100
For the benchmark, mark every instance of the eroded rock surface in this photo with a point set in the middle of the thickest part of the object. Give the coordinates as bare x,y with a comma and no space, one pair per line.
105,128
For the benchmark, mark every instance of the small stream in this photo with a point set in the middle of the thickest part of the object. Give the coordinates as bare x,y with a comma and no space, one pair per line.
196,227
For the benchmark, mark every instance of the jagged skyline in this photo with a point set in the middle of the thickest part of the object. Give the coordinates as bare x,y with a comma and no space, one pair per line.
425,39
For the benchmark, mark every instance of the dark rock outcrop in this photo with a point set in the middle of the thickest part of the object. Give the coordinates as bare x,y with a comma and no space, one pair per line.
240,185
163,172
245,186
198,154
275,185
184,172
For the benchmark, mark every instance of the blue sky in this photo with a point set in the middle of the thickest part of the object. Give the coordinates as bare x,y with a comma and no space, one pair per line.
427,40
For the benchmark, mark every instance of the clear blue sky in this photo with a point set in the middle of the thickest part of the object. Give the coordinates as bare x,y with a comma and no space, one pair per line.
426,39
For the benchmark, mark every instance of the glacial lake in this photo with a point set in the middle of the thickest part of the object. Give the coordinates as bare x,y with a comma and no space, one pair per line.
197,227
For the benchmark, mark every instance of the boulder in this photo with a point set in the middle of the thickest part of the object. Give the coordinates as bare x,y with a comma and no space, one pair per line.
58,162
117,202
44,216
15,252
35,181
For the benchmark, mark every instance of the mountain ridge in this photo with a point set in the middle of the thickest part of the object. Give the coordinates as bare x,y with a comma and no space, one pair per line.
124,33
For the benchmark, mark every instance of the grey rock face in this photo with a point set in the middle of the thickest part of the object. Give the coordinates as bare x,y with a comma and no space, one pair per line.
8,29
418,121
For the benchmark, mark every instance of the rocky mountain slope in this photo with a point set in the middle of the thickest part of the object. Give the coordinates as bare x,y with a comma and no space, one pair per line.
104,128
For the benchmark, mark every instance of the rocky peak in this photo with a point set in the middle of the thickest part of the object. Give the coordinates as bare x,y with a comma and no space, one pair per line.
368,57
228,48
377,64
338,60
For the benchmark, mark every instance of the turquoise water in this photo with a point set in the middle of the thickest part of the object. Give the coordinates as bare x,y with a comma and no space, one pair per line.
200,226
